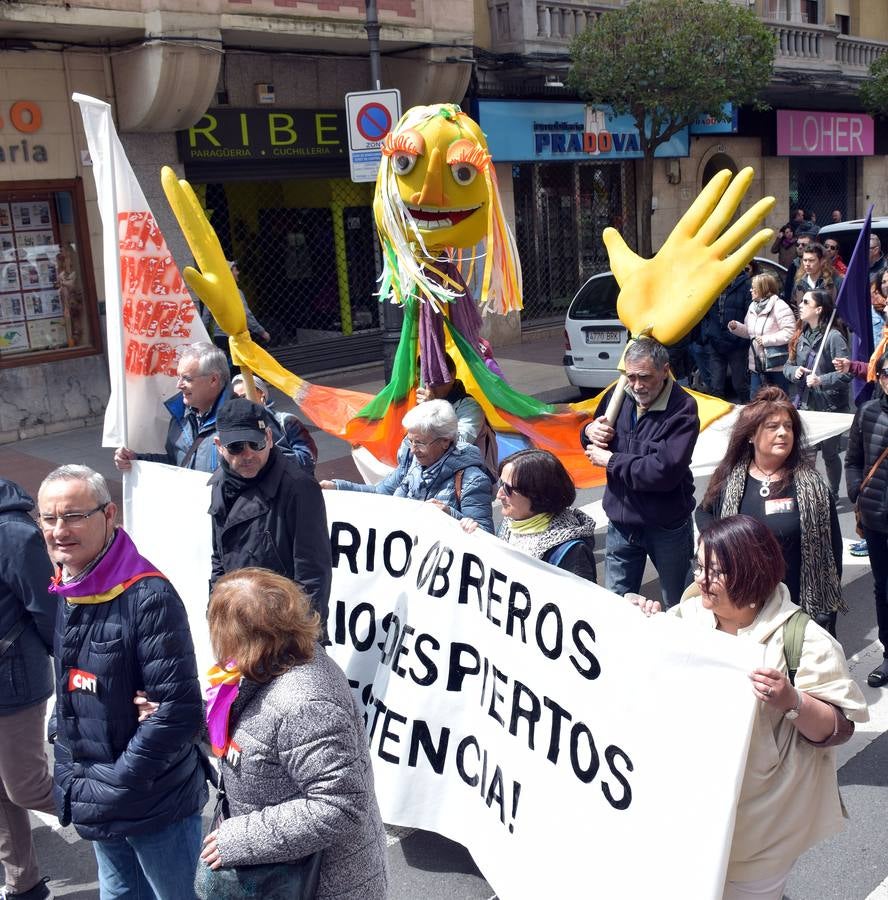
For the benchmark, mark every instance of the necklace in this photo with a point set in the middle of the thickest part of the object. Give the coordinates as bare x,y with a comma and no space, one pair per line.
765,489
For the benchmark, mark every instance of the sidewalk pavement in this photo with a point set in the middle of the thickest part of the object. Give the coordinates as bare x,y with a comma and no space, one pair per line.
533,367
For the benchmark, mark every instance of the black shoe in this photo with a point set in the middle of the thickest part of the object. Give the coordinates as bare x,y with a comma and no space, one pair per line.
40,891
879,677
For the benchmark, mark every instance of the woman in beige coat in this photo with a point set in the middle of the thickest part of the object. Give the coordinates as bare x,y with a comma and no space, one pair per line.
789,800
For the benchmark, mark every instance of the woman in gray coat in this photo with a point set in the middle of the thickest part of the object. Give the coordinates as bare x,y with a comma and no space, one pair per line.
293,751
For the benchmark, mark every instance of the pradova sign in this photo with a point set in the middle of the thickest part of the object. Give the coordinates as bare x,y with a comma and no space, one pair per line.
817,133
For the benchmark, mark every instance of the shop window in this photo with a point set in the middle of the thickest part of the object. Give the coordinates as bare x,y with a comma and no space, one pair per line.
47,296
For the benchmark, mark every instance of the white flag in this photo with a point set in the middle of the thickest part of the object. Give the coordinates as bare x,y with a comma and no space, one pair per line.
150,314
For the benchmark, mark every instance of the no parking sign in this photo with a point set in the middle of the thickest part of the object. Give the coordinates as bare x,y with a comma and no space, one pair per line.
371,116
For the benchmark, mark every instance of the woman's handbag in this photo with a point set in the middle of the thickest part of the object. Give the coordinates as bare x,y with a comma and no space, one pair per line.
858,527
775,356
273,881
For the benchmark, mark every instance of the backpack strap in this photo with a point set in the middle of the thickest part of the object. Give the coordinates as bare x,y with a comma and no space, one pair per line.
793,641
557,554
457,486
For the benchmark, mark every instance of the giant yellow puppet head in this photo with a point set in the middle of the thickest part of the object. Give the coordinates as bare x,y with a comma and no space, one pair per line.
436,196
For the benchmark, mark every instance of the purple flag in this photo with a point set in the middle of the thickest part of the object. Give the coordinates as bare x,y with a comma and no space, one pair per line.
854,306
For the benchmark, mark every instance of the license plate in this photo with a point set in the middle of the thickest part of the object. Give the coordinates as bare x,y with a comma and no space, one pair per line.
603,335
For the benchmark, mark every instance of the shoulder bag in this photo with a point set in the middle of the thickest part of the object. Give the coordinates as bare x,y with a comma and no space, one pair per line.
858,527
296,880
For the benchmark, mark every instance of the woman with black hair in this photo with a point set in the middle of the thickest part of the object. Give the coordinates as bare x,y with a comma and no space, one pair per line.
824,390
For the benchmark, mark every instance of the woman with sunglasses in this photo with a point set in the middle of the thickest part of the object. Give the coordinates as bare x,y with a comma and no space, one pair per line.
864,460
433,466
825,390
536,493
765,474
789,800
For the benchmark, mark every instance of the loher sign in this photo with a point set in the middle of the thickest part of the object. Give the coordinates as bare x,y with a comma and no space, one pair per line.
820,133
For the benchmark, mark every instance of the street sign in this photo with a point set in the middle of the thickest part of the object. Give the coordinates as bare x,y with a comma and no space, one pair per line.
371,115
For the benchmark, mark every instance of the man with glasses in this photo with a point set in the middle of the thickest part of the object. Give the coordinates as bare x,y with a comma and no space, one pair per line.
266,511
133,786
877,262
202,381
831,246
646,455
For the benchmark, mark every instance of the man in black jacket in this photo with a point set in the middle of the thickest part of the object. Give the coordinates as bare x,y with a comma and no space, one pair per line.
266,511
134,788
27,619
727,352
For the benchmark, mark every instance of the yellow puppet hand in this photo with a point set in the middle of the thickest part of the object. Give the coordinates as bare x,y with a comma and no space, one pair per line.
214,283
668,295
246,353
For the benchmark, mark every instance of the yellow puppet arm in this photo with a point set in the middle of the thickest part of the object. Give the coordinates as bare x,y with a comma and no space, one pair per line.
214,283
247,354
669,294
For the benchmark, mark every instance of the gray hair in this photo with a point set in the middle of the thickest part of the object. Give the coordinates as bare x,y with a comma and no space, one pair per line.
260,384
96,482
647,348
874,239
210,359
435,418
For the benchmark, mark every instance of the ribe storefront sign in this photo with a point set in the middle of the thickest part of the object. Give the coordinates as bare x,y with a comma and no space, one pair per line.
817,133
250,135
525,132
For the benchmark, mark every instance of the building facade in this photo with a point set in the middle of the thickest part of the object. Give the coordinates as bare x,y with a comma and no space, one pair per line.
245,98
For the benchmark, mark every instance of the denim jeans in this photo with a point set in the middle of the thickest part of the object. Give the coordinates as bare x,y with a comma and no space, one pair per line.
670,549
877,544
155,866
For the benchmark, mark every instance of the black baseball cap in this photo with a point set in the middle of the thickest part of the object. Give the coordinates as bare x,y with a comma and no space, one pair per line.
240,419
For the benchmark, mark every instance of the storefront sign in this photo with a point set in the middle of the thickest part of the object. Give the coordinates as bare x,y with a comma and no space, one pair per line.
815,133
19,121
280,135
711,125
527,132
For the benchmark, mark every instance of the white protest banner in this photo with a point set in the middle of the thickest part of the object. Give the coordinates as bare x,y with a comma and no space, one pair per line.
150,314
574,747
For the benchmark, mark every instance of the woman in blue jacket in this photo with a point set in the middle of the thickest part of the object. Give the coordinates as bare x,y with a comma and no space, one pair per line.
433,466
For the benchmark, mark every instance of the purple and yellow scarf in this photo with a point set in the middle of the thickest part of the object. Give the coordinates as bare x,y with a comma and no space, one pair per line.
121,566
221,694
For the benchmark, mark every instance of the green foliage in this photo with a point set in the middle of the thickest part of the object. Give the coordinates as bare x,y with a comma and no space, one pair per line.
674,60
874,91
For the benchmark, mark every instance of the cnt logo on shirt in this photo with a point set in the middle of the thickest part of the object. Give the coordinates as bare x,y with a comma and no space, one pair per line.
78,680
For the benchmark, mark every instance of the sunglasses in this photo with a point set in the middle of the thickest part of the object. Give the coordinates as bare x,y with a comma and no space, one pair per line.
882,373
237,447
508,490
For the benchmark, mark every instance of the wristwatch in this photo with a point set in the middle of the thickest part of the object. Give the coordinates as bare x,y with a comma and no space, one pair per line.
793,714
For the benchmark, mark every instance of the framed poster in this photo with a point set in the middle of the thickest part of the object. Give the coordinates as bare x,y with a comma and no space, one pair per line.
46,333
31,216
13,336
9,277
11,308
37,243
42,304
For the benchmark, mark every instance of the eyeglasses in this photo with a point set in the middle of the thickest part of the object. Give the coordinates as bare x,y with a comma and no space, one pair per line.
189,379
237,447
72,520
698,570
421,445
508,489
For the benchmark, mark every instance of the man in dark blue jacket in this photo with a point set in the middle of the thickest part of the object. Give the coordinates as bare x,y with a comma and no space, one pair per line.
726,350
647,454
134,788
27,619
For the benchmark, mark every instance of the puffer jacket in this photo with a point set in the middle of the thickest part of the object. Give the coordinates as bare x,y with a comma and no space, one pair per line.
184,429
438,482
832,394
867,440
303,781
113,775
775,325
25,570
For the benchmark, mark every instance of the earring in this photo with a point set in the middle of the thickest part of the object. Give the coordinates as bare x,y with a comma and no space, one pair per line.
752,606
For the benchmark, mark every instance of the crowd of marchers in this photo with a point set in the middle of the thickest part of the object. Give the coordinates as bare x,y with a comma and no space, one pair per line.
86,619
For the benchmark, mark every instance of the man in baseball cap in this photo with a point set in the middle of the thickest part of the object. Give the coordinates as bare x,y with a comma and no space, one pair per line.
266,510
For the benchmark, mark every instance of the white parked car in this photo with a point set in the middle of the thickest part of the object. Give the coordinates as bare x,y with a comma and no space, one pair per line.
594,338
